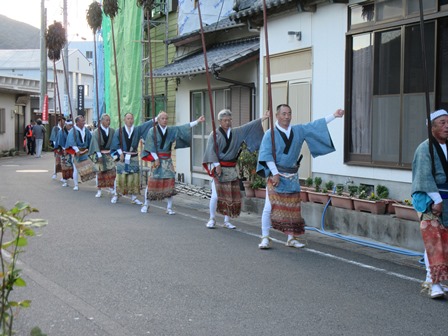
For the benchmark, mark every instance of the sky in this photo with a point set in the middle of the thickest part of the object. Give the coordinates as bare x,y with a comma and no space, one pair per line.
28,11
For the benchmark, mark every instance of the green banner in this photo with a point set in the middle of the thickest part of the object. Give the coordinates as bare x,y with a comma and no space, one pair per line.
127,29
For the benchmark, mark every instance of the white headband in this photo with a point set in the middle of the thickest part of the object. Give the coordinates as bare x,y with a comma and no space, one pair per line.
437,114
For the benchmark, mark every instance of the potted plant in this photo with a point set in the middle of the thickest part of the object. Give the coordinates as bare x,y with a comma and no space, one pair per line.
259,186
247,165
369,202
318,196
353,190
309,183
406,210
340,200
304,189
328,187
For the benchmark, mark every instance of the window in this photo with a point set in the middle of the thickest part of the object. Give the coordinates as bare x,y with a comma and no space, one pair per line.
371,12
2,120
386,85
235,98
89,54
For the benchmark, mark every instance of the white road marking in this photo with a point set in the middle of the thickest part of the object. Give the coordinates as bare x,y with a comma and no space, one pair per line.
328,255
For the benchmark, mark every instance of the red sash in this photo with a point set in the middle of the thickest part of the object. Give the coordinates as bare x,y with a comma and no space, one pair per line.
162,156
222,163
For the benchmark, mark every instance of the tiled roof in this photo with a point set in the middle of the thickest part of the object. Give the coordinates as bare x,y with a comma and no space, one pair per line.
257,8
219,57
243,4
220,25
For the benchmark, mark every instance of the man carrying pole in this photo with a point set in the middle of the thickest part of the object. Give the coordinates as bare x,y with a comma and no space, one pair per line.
100,148
125,144
221,164
282,203
161,181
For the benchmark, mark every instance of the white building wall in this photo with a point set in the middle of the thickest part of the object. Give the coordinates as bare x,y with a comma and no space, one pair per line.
324,32
7,140
245,74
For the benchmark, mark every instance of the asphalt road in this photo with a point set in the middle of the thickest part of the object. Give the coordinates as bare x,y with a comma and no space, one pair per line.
104,269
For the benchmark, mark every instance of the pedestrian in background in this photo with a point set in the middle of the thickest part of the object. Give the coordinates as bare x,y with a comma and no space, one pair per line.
29,137
39,134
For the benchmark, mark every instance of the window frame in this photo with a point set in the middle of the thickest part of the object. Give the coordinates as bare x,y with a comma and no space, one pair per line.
357,159
232,95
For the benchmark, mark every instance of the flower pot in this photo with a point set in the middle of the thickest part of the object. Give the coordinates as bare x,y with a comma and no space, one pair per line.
374,207
390,209
304,196
340,201
248,190
405,212
260,193
318,197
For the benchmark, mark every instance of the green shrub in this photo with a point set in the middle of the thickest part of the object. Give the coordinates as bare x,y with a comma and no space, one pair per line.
259,182
340,189
382,191
15,230
317,183
247,164
309,182
329,186
353,190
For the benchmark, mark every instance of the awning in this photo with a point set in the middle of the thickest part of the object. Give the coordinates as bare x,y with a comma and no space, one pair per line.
220,57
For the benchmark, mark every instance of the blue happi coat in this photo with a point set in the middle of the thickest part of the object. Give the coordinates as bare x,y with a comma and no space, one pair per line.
129,144
75,139
319,142
61,139
179,134
54,136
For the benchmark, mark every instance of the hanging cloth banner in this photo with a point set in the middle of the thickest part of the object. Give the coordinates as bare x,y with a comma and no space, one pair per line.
80,108
45,110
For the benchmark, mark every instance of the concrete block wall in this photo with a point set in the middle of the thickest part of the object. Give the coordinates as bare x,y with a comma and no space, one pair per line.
386,229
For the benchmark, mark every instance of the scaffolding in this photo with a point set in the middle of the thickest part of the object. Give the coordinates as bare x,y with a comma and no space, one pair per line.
159,17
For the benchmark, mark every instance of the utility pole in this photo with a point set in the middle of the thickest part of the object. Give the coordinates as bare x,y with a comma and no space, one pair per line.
67,72
43,56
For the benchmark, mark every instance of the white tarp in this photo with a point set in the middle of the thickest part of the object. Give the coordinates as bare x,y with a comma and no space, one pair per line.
211,12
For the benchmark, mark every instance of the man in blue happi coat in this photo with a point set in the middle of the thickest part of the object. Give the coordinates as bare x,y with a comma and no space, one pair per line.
66,158
53,142
125,145
220,161
157,149
78,142
282,204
